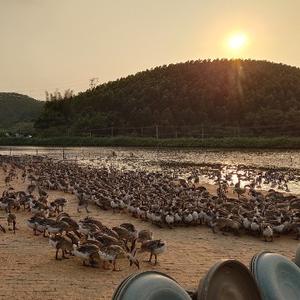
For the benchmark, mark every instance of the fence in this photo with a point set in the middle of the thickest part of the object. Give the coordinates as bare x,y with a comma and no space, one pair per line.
194,131
200,131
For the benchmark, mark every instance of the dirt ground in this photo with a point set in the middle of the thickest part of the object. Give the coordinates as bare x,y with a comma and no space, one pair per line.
28,269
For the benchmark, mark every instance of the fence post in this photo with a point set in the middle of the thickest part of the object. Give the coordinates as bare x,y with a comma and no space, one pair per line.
156,131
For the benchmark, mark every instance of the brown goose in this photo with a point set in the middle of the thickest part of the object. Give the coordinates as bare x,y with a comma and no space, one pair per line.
61,243
113,252
144,235
126,235
88,253
154,247
11,220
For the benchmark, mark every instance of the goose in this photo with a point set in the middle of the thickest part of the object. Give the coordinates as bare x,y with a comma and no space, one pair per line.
74,238
88,228
154,247
43,224
36,221
170,219
187,217
113,252
71,222
226,224
114,205
195,216
201,217
91,221
61,216
107,240
109,232
178,218
246,223
92,240
60,203
130,227
148,215
11,220
87,253
82,204
144,235
278,229
255,228
267,232
37,206
57,227
157,218
6,204
60,243
126,235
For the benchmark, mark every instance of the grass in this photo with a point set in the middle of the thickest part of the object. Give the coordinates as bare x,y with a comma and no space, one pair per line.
234,142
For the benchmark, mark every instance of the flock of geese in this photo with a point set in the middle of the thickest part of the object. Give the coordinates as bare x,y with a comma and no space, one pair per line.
163,199
89,240
93,242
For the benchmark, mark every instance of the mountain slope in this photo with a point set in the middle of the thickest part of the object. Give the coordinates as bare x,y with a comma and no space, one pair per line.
16,108
213,93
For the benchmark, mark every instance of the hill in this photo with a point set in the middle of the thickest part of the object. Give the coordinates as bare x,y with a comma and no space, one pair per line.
244,93
18,109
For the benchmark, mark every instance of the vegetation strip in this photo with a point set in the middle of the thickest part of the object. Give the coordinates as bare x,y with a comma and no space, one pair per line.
242,142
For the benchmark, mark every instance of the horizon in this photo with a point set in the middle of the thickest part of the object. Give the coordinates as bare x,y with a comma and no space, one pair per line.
46,48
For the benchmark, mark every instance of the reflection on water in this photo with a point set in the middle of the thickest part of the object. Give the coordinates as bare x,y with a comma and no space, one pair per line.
182,162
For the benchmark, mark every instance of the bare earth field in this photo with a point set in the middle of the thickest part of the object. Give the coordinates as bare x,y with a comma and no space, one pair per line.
28,269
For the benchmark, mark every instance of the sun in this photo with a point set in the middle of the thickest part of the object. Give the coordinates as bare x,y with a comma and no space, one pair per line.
237,41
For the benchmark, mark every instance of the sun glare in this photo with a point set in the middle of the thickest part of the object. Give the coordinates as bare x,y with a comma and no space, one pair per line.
237,41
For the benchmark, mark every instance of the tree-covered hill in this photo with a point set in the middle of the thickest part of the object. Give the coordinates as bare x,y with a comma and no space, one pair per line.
210,93
17,108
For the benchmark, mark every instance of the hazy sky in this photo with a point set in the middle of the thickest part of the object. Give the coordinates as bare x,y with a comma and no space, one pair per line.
49,44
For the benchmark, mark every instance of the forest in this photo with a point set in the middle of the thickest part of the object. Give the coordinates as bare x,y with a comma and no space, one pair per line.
211,93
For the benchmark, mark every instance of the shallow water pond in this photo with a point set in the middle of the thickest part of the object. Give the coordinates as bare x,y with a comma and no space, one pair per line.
247,164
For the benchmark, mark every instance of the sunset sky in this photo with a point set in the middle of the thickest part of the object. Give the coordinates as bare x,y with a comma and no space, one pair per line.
49,44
